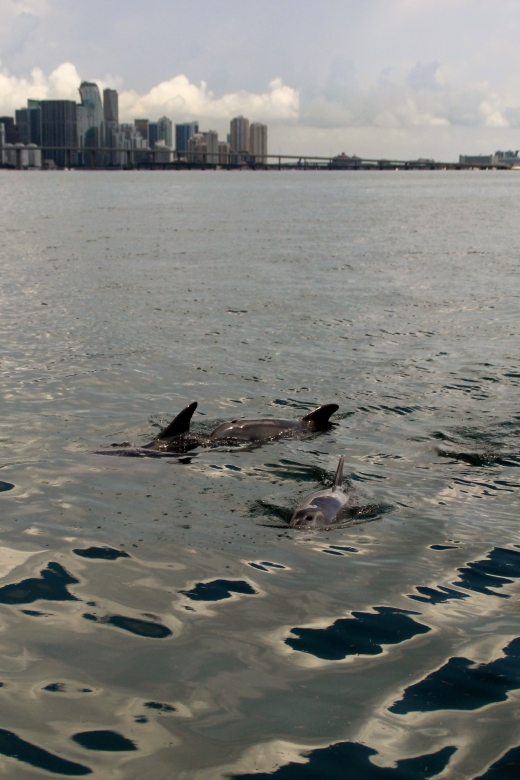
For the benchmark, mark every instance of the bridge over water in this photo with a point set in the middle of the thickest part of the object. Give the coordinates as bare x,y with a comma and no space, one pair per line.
104,157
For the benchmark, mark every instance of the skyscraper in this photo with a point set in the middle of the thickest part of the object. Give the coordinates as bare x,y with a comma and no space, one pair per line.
29,123
258,142
183,133
111,105
240,134
59,129
90,129
111,117
152,134
212,147
165,131
12,135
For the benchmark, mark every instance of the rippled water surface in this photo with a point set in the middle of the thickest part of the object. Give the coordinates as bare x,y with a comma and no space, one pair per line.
158,618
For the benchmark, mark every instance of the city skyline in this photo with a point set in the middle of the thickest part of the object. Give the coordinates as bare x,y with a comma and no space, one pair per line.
392,78
75,132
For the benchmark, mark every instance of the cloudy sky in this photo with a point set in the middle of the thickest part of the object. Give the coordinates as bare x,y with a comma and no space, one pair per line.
380,78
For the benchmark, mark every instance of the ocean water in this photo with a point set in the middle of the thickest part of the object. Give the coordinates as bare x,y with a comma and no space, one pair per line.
158,618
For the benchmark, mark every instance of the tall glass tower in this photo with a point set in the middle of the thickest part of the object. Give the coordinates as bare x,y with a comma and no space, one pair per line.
183,133
90,116
58,128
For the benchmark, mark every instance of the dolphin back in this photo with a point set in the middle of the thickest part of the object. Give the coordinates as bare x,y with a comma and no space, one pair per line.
338,479
320,417
181,424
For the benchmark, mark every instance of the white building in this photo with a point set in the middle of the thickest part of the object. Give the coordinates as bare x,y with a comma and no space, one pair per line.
212,147
240,134
258,142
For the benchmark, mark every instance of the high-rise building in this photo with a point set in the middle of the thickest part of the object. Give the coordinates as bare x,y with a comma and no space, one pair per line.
141,125
91,119
183,133
240,134
111,105
258,142
111,120
165,131
59,129
22,121
12,135
152,134
29,123
212,147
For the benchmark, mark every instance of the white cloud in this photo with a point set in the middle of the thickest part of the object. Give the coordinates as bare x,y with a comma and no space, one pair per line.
182,100
61,84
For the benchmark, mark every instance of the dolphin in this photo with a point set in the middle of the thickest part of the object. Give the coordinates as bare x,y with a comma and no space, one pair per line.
323,508
177,437
270,428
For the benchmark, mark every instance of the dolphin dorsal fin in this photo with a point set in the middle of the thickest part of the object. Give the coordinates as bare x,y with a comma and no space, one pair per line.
321,415
338,479
181,424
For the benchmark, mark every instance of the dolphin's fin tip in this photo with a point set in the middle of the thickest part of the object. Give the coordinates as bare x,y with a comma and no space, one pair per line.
321,415
338,479
180,424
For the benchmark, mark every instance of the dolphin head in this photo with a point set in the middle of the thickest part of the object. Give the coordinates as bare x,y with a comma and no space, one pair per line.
308,517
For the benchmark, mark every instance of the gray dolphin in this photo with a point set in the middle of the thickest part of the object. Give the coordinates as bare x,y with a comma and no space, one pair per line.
177,437
272,428
323,508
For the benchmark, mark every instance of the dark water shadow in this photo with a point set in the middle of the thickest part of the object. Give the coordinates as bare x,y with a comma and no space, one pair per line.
362,634
442,547
438,595
218,590
144,628
265,565
481,459
15,747
506,768
51,586
351,761
59,687
158,707
462,685
5,486
108,741
496,570
101,553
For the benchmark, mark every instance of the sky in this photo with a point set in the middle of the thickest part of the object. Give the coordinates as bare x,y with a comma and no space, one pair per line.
379,78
